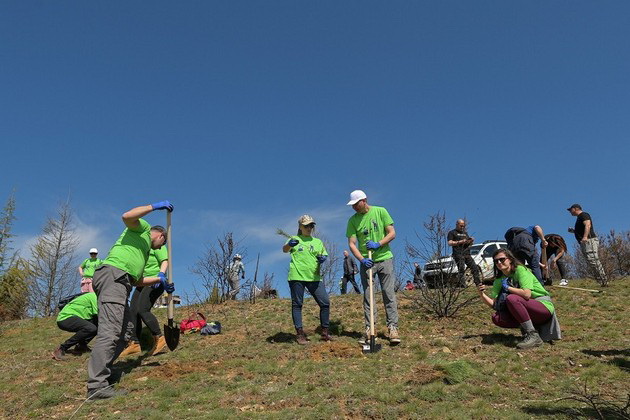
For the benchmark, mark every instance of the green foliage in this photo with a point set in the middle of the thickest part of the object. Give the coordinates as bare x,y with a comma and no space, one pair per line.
14,291
457,372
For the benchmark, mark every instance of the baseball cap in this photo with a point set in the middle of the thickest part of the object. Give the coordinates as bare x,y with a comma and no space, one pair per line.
306,220
93,251
237,256
575,206
355,196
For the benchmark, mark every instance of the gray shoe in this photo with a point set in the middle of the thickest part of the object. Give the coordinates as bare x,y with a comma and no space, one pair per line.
531,340
105,393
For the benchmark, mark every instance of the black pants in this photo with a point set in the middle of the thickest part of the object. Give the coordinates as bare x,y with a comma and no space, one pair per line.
344,284
85,331
142,301
466,260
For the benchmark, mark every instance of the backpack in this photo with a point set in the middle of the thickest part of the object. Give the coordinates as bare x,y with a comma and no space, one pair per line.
65,300
194,323
511,233
212,328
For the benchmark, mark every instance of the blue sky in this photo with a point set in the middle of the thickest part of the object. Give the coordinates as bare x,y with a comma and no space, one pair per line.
247,115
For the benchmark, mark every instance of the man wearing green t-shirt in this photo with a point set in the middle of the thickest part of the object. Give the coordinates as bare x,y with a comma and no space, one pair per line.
78,316
371,228
86,270
112,283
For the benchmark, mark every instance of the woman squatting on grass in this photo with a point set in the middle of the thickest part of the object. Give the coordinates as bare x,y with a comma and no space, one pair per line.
521,300
307,254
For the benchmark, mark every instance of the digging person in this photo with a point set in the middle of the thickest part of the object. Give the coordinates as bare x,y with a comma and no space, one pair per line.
80,317
112,283
371,228
307,254
142,302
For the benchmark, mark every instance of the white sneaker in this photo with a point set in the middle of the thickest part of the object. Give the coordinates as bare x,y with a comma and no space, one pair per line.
563,282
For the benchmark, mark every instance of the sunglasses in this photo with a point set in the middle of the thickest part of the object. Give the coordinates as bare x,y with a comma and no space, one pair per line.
500,260
310,225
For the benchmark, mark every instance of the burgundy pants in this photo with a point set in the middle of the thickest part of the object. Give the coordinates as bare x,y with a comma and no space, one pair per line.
519,311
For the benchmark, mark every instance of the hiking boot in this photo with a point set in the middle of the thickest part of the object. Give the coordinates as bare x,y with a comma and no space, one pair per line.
300,336
159,345
81,348
133,347
531,340
59,354
394,338
563,282
104,393
325,335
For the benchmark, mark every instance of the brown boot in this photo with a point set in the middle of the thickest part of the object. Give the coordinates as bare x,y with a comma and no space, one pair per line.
325,335
132,348
301,336
159,344
59,354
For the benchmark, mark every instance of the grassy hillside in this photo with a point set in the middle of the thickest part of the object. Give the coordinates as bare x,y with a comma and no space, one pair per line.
459,368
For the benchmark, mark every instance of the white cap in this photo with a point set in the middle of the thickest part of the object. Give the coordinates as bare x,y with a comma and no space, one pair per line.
93,251
355,196
237,256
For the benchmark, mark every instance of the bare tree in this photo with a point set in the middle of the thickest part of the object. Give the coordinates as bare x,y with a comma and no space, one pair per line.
445,298
213,267
614,254
52,263
329,270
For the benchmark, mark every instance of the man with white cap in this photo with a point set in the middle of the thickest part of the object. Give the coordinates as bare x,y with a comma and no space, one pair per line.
86,270
371,228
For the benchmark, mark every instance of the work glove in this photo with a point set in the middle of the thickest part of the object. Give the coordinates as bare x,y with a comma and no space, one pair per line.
372,245
321,258
367,262
162,205
293,242
505,285
162,281
169,288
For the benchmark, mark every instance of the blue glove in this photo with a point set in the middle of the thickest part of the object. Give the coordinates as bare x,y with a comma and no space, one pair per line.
372,245
505,285
169,288
367,262
162,205
293,242
322,258
162,283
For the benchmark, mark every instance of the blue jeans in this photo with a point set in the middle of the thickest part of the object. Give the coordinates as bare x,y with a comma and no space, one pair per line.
318,291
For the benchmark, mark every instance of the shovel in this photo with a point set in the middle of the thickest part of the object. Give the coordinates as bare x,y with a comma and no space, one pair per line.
171,331
371,346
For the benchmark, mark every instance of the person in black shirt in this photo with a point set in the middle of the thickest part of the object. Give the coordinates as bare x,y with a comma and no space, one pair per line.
556,251
349,270
417,276
589,243
460,241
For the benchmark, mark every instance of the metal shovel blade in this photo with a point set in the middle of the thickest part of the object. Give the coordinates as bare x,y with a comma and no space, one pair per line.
171,335
371,347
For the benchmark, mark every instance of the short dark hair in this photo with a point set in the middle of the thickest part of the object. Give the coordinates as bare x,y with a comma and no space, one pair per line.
160,229
515,261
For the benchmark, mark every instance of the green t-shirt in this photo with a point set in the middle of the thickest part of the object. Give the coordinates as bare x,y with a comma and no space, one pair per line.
371,227
524,279
304,265
83,306
89,265
131,250
156,258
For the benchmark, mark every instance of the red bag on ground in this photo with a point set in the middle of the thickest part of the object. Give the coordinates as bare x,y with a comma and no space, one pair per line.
194,323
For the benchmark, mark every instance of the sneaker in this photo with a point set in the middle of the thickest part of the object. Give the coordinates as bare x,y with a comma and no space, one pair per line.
59,354
531,340
394,338
563,282
366,338
104,393
132,348
159,345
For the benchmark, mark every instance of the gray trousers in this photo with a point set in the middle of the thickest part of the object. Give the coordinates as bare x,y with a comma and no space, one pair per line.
112,287
590,249
384,270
